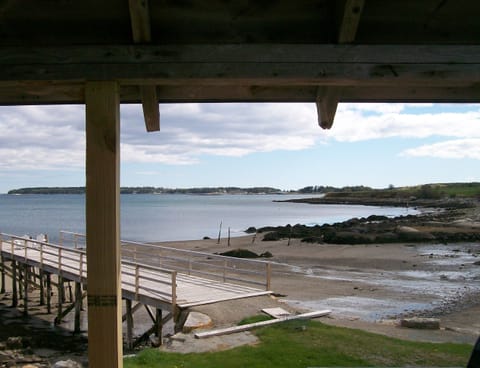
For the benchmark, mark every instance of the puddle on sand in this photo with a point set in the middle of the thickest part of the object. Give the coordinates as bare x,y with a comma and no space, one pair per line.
447,274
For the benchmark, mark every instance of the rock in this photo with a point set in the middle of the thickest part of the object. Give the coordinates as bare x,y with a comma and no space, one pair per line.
421,323
477,263
67,364
15,342
196,320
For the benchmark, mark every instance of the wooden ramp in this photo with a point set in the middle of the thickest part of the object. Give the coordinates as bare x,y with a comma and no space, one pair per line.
143,282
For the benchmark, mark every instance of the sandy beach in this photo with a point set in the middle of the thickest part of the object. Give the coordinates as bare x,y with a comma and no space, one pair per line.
373,286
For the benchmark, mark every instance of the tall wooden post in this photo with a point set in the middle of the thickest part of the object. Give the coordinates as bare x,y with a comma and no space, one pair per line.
2,290
78,306
25,290
49,293
103,228
14,284
129,314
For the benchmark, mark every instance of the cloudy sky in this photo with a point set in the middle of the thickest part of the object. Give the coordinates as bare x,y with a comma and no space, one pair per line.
277,145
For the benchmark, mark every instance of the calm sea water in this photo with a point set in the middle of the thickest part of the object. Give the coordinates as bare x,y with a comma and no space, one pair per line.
149,217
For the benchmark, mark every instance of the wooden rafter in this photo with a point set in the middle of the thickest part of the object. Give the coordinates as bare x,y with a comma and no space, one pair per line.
327,100
141,31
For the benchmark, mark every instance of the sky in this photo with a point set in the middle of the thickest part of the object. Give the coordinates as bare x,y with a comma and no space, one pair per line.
246,145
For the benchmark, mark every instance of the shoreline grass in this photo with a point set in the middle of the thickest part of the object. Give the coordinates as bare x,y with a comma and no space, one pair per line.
311,343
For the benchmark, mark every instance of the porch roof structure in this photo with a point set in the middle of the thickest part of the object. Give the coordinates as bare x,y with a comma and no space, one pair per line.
103,53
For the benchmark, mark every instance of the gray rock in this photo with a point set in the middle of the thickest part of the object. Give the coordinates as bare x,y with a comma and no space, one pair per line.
421,323
67,364
15,342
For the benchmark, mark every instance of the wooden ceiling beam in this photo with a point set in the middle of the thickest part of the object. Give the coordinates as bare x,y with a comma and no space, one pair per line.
39,94
328,99
141,31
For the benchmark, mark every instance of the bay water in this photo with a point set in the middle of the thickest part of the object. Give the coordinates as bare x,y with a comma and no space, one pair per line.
168,217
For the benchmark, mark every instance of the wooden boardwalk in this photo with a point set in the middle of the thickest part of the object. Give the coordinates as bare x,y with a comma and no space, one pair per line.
151,275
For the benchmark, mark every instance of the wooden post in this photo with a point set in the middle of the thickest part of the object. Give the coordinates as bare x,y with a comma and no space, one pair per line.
14,284
269,276
60,299
20,281
129,315
103,225
2,290
49,293
78,306
42,288
25,290
159,326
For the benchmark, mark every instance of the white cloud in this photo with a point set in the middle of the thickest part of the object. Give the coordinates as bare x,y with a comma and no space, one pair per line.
456,149
376,121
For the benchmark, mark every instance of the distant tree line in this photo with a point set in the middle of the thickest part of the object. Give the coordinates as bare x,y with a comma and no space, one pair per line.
329,189
151,190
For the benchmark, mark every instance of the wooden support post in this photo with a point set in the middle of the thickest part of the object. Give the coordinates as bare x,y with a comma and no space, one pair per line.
159,324
14,284
41,276
103,225
25,290
129,315
20,281
70,294
49,293
2,289
60,299
78,306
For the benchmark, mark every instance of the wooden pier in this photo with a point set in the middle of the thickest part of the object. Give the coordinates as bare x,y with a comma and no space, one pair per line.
159,278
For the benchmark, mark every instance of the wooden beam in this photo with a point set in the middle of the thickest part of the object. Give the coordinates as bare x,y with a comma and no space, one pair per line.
140,19
327,102
102,224
350,19
328,99
151,111
268,65
234,329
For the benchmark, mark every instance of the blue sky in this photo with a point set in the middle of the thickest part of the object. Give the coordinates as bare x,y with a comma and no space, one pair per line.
277,145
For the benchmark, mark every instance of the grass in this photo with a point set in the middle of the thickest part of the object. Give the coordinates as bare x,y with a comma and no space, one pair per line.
310,344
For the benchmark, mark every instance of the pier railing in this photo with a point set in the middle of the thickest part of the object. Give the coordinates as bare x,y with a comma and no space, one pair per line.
221,268
141,280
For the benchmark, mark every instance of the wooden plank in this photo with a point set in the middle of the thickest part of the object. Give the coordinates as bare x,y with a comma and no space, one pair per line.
327,102
151,110
140,20
102,224
350,19
234,329
78,57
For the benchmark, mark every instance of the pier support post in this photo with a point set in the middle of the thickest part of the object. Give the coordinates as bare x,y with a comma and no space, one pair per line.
2,289
159,326
20,281
61,293
25,290
129,317
49,292
103,225
14,284
41,277
78,306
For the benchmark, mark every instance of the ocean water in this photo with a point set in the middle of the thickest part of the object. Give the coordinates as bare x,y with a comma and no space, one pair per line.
165,217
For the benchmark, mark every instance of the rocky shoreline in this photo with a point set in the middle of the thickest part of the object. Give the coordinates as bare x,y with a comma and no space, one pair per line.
443,221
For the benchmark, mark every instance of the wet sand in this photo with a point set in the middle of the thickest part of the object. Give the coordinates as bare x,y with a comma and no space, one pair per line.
373,286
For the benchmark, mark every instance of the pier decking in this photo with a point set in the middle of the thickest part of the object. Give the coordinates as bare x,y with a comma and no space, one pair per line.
160,277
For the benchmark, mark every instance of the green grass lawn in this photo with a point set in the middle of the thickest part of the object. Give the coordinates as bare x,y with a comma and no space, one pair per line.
310,344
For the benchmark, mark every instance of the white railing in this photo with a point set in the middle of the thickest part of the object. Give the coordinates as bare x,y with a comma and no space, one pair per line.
70,262
220,268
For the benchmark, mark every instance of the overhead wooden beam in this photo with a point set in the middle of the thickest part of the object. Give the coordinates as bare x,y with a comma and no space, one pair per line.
350,18
103,225
327,102
328,99
140,20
